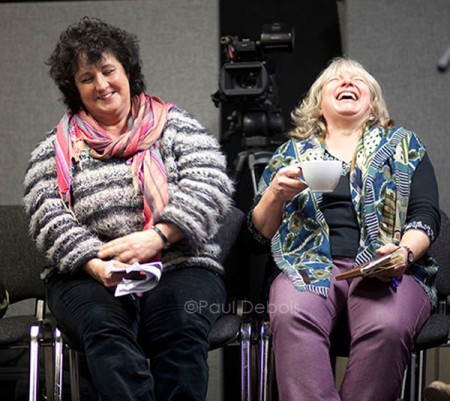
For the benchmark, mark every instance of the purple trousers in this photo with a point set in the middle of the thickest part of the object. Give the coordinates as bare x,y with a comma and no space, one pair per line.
383,323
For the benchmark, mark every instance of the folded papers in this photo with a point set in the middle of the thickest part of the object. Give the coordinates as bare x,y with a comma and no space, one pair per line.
375,266
141,277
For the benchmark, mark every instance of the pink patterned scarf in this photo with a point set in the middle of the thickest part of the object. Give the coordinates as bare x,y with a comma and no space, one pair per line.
79,132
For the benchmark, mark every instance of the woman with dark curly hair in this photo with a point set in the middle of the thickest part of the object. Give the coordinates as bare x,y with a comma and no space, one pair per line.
92,38
127,180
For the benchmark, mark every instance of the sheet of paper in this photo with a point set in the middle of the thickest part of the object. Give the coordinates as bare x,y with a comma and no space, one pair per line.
151,272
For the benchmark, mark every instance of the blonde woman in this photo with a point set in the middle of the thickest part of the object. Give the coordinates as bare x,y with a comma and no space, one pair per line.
386,198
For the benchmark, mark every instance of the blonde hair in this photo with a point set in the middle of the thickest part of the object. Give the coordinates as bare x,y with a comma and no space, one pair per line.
306,116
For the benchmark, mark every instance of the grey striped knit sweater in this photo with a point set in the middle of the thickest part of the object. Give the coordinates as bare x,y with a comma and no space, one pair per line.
106,206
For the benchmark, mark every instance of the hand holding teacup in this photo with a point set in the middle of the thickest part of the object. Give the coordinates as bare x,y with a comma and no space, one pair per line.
287,183
319,175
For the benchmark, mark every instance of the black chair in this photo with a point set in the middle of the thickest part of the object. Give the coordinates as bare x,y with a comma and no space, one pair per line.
229,328
20,271
435,332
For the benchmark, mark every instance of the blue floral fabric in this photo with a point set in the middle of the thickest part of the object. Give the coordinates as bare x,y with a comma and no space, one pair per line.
380,182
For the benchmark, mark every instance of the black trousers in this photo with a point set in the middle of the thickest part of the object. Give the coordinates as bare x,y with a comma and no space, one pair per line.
168,324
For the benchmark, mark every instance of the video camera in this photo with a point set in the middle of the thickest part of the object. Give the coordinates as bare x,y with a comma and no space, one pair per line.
247,80
247,71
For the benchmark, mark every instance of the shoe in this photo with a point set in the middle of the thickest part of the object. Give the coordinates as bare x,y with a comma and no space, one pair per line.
437,391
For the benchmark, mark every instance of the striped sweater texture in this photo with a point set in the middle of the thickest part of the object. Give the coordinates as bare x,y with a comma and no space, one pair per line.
105,204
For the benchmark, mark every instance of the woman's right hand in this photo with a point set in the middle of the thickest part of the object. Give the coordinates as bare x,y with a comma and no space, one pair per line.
284,187
287,183
98,269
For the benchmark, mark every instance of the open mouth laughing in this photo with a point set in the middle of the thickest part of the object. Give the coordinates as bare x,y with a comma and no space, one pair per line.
347,95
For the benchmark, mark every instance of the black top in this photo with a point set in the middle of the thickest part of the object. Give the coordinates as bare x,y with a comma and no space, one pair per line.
423,209
338,210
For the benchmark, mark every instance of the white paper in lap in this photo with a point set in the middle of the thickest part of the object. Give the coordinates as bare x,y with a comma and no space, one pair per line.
151,271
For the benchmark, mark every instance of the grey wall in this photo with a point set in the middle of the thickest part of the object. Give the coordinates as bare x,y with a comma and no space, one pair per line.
400,42
179,47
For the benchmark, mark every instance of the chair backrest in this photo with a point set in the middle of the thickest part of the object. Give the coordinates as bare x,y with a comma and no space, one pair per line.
229,231
440,250
20,262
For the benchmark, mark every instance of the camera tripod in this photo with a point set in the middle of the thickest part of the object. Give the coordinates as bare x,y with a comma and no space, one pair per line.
258,151
246,162
256,160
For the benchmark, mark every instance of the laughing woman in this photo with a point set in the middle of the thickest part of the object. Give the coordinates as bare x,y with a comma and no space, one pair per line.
386,200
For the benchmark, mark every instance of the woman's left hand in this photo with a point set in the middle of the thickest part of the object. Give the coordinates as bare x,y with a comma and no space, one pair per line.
140,247
398,271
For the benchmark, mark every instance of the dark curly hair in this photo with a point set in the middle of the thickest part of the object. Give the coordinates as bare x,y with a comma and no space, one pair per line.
91,38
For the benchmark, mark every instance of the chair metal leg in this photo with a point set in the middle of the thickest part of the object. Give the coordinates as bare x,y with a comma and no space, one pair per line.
403,389
49,370
74,375
412,384
59,368
420,375
264,365
33,389
246,343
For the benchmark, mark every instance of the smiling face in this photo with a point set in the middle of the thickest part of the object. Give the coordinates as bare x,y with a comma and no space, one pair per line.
346,99
104,90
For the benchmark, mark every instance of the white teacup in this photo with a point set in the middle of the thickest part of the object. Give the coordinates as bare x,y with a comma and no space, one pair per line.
322,175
